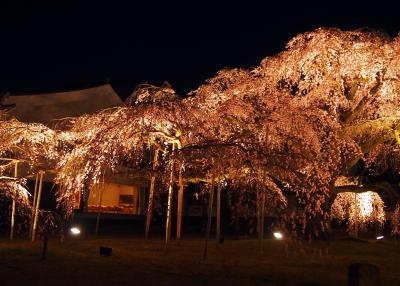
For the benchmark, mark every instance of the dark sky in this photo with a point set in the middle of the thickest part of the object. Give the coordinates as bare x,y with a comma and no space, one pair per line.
48,46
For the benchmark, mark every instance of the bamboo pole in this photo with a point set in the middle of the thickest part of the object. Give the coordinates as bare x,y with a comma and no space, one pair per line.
151,195
169,206
34,204
99,210
13,204
210,205
37,206
218,230
180,203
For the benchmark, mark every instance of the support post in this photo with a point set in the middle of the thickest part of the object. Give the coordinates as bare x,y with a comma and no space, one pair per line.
218,230
99,212
13,204
12,220
169,205
37,206
258,194
180,203
356,210
210,206
151,195
34,204
45,243
262,222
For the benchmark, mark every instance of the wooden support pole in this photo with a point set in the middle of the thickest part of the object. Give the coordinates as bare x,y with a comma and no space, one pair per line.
12,220
218,229
258,198
34,204
99,210
13,203
37,206
149,214
356,210
169,205
180,203
135,209
210,207
262,214
45,244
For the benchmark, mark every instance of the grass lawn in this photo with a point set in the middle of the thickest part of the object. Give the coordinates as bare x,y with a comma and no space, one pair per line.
235,262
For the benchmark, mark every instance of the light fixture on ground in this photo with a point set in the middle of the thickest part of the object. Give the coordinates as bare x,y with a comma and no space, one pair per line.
380,237
278,235
75,230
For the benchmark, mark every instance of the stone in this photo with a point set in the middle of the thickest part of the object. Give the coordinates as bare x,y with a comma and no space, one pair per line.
105,251
360,274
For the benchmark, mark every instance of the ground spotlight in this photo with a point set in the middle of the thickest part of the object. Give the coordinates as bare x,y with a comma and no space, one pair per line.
380,237
75,230
278,235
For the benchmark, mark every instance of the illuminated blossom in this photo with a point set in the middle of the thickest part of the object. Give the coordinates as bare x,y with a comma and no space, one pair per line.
395,224
34,144
14,190
360,210
300,119
290,126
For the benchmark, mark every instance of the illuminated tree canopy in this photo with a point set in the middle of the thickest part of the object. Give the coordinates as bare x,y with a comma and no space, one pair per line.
395,224
14,190
361,210
300,119
292,125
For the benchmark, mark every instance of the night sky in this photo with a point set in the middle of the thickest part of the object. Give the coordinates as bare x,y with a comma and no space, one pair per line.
47,46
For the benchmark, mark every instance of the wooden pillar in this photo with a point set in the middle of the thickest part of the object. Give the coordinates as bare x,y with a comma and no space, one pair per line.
37,206
218,229
13,203
149,214
169,205
180,203
210,206
34,204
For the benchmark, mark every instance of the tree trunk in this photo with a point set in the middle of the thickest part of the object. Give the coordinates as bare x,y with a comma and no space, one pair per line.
180,203
37,206
13,204
218,228
169,205
34,204
151,195
210,205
